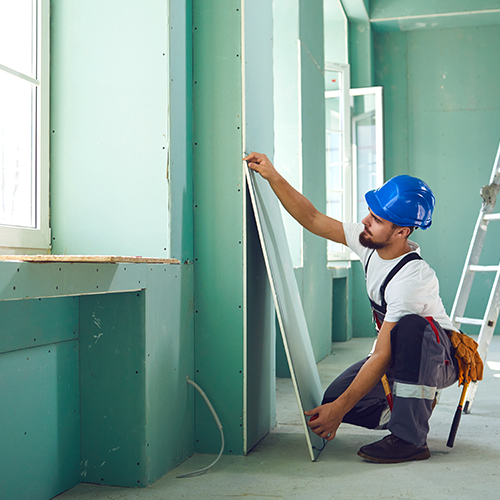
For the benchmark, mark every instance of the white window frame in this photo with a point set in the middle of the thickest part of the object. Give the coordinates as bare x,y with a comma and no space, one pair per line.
346,160
379,141
18,240
336,259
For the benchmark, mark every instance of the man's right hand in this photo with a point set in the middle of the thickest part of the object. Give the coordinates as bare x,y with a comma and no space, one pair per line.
297,205
261,164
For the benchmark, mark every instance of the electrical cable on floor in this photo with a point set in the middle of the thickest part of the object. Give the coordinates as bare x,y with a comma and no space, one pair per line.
219,425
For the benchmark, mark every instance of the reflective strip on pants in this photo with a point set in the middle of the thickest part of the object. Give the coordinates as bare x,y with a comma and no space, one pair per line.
403,390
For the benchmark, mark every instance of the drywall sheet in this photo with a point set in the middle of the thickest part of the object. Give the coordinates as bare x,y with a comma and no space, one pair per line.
35,322
218,224
260,315
39,421
288,303
137,348
107,139
112,389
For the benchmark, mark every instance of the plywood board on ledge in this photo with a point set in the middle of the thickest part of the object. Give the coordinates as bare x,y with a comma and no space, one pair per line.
86,259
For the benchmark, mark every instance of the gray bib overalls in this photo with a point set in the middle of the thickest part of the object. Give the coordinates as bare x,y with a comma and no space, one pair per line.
423,361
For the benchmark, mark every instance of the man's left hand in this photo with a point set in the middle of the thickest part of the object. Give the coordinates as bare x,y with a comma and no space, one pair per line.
328,420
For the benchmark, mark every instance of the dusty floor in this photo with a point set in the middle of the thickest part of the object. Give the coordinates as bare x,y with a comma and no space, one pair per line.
279,467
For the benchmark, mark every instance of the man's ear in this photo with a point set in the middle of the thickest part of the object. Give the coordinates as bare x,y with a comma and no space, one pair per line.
404,232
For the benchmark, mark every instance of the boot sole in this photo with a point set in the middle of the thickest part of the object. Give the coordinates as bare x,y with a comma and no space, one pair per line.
423,455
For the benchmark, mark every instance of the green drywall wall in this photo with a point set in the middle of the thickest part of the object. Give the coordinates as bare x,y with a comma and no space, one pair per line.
169,310
218,222
181,125
362,321
390,9
152,334
112,389
35,322
442,110
335,42
360,42
282,367
356,10
390,15
39,421
234,317
261,338
287,129
340,332
335,33
260,373
316,279
109,87
301,132
391,71
342,317
361,54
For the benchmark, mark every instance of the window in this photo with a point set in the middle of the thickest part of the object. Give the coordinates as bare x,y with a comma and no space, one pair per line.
367,145
354,149
338,151
24,126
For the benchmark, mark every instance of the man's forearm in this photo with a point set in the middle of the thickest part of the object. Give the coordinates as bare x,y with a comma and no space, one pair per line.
366,379
295,203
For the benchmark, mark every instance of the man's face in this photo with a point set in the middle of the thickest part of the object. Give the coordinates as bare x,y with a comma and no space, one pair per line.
377,233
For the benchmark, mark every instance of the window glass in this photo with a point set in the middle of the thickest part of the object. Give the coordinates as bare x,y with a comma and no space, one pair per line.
16,159
16,36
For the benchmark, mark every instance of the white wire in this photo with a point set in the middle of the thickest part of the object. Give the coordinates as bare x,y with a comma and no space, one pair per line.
219,425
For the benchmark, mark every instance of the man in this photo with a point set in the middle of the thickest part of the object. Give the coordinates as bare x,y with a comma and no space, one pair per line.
412,347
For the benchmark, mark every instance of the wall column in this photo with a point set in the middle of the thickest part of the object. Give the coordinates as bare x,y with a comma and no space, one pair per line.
234,319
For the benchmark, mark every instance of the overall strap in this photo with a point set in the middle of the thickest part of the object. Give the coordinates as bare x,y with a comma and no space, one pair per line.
380,310
407,258
367,262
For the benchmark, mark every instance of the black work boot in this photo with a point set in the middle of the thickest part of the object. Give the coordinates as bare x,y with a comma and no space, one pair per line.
392,450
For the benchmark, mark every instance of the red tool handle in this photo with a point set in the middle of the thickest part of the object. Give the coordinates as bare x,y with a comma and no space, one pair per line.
387,390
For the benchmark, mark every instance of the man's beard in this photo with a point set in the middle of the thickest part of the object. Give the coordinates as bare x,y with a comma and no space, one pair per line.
363,239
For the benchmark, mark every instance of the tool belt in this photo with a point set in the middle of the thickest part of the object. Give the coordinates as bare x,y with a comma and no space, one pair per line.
470,364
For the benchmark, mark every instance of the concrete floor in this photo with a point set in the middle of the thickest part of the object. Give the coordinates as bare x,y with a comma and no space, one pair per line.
279,467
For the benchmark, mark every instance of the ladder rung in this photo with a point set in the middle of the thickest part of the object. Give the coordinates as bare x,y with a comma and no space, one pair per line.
491,217
469,321
484,268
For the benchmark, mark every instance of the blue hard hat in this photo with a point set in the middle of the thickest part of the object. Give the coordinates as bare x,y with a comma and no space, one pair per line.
403,200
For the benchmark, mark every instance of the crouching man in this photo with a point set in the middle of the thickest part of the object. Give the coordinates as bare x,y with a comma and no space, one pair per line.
413,347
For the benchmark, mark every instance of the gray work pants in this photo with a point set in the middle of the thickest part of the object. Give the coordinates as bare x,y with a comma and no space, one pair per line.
423,361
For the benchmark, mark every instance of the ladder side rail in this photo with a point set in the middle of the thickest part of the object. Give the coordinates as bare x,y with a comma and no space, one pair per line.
485,336
467,278
490,319
495,173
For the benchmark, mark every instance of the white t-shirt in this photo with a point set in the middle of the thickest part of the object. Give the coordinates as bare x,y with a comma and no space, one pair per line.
413,290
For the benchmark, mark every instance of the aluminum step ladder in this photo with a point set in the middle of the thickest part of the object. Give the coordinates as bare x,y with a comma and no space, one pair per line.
489,320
